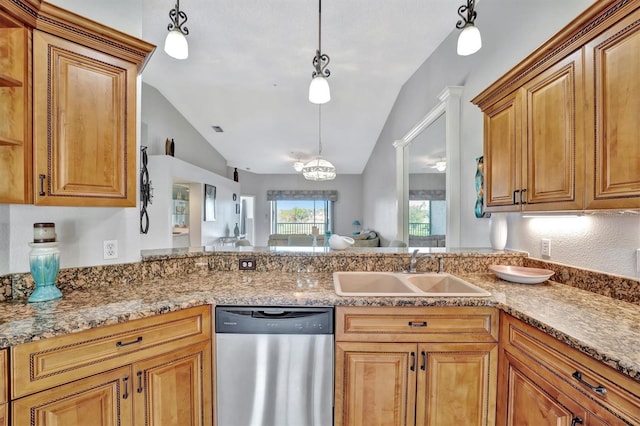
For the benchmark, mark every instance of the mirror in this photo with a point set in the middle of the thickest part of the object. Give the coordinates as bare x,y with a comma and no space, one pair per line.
445,114
427,211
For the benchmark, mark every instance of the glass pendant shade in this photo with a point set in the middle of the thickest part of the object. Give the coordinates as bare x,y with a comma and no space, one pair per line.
469,40
319,169
176,45
441,166
319,92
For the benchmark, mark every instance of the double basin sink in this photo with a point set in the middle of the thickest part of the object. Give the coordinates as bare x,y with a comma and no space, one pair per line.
403,284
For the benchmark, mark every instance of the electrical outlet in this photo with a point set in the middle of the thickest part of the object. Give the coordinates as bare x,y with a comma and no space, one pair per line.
546,247
247,264
110,249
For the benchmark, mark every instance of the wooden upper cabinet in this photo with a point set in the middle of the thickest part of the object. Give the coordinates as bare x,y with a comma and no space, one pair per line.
84,121
502,154
553,155
613,136
561,127
68,108
15,106
533,144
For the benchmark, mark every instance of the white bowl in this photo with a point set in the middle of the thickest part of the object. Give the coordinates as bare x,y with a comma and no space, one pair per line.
338,242
521,274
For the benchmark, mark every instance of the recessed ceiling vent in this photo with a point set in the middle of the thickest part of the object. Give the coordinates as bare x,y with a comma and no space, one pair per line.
217,129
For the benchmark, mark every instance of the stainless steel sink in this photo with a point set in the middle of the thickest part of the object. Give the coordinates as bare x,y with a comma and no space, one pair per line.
401,284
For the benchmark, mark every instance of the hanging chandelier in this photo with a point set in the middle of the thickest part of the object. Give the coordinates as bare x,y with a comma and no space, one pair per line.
319,92
469,40
319,168
176,44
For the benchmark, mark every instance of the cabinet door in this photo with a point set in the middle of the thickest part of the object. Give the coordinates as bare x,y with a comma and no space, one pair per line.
613,150
101,400
375,384
528,404
502,137
530,399
456,384
553,152
175,388
84,125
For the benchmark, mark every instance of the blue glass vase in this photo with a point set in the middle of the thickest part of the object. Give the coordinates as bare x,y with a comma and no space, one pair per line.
44,263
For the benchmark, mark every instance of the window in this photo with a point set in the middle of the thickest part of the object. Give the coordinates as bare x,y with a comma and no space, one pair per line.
299,216
297,211
427,217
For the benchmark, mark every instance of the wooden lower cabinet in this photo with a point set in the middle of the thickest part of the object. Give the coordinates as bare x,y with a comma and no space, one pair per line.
154,371
413,383
456,384
543,381
101,400
4,388
375,383
172,389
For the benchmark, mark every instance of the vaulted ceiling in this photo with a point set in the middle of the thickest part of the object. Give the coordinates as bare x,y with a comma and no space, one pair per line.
249,69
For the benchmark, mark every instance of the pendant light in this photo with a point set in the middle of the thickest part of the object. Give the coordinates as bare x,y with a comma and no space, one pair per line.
469,40
176,44
319,92
319,168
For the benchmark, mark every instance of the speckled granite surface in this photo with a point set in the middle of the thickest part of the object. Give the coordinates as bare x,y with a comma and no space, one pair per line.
601,327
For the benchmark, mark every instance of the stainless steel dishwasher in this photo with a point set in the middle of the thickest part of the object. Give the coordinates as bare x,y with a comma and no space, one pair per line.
274,366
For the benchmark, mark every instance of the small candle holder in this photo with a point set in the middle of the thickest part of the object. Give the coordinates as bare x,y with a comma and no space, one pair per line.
44,263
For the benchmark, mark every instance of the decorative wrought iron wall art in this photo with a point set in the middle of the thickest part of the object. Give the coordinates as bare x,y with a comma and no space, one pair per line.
146,191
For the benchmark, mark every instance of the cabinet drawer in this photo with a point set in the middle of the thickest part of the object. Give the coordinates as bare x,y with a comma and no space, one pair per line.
50,362
422,324
616,392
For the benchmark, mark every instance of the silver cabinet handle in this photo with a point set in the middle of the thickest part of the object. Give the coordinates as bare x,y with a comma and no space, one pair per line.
417,324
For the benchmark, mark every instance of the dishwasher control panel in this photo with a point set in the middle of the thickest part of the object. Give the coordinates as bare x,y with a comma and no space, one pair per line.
274,320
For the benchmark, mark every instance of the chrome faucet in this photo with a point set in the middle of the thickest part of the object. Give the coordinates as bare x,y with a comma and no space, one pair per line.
414,260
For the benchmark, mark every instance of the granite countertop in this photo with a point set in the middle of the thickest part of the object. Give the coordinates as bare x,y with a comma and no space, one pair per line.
604,328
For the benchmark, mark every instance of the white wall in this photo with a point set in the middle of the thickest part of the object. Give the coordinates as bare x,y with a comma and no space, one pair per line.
163,121
164,171
427,181
347,209
607,244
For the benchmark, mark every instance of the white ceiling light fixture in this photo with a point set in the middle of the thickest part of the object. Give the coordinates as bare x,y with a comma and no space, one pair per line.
175,45
319,92
440,166
319,168
469,40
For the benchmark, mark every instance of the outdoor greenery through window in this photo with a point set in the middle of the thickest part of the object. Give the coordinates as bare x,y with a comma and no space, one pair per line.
299,216
426,217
